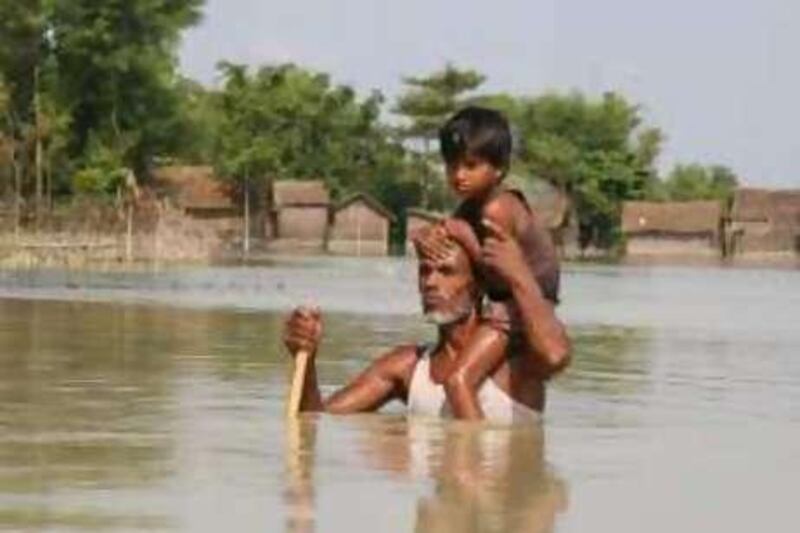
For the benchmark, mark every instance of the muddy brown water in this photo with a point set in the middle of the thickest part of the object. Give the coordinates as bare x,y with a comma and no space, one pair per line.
153,400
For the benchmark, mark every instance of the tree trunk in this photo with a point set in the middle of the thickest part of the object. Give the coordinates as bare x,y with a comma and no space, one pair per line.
129,234
48,179
246,215
38,147
425,200
17,192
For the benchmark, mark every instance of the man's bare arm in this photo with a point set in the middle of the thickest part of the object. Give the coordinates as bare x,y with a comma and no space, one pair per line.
385,379
544,332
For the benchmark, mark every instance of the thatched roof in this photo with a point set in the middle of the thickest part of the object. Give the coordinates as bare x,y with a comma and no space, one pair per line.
195,187
373,204
299,193
779,206
671,217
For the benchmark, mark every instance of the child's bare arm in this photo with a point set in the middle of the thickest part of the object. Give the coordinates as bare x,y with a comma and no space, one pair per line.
505,211
480,357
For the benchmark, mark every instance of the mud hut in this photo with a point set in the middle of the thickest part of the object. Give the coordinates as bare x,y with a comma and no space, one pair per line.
676,229
201,195
299,218
765,222
360,226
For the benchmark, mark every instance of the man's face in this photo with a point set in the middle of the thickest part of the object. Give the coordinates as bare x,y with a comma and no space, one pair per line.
472,176
447,287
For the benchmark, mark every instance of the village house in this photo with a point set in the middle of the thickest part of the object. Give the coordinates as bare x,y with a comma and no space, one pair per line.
200,194
673,229
765,223
200,217
416,219
299,216
360,226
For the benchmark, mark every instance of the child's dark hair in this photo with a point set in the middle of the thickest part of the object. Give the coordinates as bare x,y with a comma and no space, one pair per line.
476,131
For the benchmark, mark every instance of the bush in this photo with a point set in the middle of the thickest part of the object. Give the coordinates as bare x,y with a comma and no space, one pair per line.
102,171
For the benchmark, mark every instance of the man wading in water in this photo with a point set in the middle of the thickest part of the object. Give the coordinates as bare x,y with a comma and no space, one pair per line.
450,292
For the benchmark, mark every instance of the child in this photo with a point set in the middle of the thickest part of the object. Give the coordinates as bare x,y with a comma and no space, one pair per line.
476,147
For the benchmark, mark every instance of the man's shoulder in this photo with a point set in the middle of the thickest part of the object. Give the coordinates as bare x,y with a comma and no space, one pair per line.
400,358
398,364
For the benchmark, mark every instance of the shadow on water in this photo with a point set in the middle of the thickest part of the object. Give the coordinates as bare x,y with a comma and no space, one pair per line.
476,477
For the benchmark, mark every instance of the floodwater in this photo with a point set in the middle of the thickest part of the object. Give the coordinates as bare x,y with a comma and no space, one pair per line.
153,400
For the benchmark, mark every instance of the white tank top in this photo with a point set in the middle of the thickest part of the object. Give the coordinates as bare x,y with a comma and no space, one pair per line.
427,398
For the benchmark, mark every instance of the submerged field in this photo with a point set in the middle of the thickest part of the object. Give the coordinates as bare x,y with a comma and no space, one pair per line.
152,400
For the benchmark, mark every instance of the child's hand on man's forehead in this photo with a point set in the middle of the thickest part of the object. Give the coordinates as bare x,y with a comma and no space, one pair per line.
434,242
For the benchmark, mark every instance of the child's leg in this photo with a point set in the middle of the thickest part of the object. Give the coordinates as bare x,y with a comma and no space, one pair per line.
484,352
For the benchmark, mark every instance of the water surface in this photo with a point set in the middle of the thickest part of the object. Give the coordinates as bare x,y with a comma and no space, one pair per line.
153,401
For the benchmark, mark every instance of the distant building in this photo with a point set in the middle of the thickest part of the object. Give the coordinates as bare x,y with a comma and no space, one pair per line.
416,219
360,226
197,191
673,229
765,222
300,211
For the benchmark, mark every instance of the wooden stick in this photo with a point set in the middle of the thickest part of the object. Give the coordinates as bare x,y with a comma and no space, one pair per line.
298,379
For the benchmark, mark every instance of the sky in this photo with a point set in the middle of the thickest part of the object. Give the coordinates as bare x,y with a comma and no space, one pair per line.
719,77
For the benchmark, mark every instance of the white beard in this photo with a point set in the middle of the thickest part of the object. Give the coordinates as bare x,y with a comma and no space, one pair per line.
444,318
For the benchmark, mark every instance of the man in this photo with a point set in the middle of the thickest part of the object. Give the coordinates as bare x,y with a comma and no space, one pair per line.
451,299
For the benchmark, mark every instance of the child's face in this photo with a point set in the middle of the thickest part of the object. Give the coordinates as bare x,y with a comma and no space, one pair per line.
472,176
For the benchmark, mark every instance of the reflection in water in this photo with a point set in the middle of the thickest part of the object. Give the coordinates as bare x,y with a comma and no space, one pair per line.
481,477
301,433
487,479
116,416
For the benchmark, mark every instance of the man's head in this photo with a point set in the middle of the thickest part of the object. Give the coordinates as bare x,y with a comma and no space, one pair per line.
447,283
476,147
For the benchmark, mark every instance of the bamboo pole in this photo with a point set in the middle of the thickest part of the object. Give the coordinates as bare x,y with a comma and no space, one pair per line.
298,379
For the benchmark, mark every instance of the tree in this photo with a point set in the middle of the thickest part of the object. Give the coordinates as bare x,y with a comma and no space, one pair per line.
426,104
696,182
117,73
200,120
286,122
6,141
24,48
429,100
594,152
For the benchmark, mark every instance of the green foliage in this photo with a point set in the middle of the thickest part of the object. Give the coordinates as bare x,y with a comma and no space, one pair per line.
23,49
429,100
287,122
92,86
425,105
696,182
82,73
116,72
103,171
593,151
200,118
